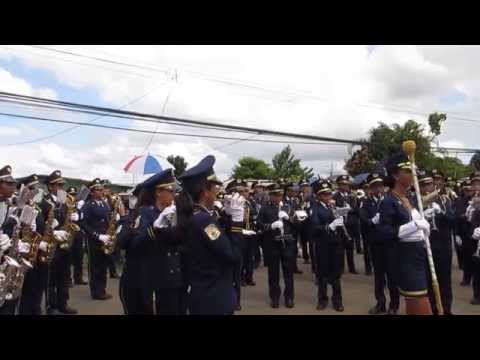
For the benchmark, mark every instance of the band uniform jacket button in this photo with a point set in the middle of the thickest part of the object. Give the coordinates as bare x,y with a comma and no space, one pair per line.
168,254
172,271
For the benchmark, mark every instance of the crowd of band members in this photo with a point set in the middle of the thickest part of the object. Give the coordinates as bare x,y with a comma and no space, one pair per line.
190,249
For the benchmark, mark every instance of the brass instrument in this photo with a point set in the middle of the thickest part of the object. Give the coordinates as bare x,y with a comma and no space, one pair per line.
69,226
16,265
341,213
109,247
45,257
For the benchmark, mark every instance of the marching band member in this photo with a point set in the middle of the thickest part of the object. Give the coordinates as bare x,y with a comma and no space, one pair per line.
96,218
329,246
77,248
343,197
211,255
304,204
473,216
35,283
439,213
114,258
290,199
234,205
382,251
279,246
402,227
156,235
57,293
250,235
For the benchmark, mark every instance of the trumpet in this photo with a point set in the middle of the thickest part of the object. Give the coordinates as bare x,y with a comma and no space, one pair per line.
341,213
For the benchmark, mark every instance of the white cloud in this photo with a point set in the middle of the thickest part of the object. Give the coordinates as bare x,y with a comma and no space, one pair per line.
9,131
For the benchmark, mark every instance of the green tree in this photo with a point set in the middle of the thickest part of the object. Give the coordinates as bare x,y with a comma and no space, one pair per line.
252,168
475,161
178,163
384,140
286,166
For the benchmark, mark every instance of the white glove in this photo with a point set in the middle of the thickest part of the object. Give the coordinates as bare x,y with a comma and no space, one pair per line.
23,247
415,236
119,229
336,223
423,225
429,213
277,225
74,217
458,240
237,208
436,208
55,223
282,215
43,246
248,232
160,222
301,215
80,204
469,212
5,242
376,219
60,235
476,233
104,238
218,204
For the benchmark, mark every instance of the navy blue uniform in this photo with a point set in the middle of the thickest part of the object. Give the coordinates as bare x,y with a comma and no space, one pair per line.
382,252
464,231
410,258
96,215
164,273
251,244
352,224
210,262
35,283
441,245
475,260
277,251
58,281
329,252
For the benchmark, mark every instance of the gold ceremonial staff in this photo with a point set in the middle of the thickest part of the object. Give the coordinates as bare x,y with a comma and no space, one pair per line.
409,148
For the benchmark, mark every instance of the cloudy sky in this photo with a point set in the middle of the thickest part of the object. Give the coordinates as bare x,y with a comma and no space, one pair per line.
334,91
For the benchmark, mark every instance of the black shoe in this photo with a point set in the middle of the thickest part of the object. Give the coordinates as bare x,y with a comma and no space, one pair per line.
306,261
251,283
114,275
243,283
102,297
475,301
297,271
377,310
52,311
359,251
321,305
353,272
275,304
465,283
338,307
289,303
392,311
81,282
67,310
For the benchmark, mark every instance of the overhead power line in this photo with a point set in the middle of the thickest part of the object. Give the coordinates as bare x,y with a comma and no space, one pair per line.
176,120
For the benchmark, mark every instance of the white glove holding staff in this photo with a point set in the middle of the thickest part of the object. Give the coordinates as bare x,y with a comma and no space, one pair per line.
282,215
74,217
248,232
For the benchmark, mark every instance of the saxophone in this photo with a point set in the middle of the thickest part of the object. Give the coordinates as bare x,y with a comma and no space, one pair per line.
45,257
109,247
69,226
15,266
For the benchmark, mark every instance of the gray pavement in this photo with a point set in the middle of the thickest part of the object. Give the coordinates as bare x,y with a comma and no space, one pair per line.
357,296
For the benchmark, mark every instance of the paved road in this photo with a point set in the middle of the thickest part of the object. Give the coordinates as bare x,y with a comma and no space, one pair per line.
357,296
